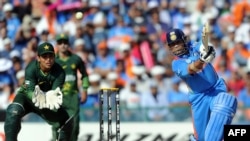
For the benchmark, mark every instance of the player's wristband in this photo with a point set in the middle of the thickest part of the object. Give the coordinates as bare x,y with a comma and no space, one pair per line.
85,83
85,88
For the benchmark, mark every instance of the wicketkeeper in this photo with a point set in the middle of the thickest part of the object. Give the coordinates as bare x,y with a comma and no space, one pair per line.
40,94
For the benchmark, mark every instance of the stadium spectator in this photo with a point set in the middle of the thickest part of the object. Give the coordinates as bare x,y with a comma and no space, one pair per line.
181,13
86,32
12,22
154,103
105,61
17,66
121,73
87,56
6,82
70,26
130,98
20,78
3,32
100,23
44,37
89,110
5,53
178,100
158,74
125,53
113,15
223,67
119,32
141,78
155,27
22,8
49,22
95,80
244,98
235,83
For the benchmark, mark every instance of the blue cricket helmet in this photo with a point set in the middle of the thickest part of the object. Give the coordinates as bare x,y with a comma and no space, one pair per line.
175,35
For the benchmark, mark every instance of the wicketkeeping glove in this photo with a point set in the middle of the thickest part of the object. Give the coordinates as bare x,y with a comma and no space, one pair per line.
39,98
54,99
207,56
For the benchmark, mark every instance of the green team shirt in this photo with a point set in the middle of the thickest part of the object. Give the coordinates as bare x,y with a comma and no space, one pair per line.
34,76
70,66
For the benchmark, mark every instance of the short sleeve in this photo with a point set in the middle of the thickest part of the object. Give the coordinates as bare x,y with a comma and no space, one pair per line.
180,67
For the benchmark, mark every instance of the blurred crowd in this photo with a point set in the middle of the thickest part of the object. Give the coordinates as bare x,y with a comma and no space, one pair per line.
122,45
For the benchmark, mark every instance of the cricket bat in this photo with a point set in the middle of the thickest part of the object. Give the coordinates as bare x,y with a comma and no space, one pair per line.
205,35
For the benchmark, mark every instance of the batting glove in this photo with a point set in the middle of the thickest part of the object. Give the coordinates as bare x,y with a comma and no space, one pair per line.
54,99
39,98
208,56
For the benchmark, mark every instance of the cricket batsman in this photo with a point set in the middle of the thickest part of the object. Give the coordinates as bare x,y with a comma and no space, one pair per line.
212,106
71,64
40,94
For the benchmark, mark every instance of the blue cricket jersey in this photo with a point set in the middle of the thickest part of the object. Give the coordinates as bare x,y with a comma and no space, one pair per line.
200,81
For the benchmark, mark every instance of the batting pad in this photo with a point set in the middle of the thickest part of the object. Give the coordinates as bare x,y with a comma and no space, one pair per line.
223,109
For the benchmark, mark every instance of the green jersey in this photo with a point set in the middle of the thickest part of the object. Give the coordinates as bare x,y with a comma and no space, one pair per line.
34,76
71,65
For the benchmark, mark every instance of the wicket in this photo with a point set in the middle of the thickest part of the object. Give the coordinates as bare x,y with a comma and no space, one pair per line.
109,92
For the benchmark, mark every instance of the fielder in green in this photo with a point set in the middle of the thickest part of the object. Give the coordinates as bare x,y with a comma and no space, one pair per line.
71,64
40,94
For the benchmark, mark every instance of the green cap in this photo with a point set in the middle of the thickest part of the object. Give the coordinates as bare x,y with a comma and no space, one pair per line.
45,47
62,37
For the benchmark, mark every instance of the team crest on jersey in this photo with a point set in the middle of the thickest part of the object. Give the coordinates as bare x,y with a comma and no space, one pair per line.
73,66
188,61
66,86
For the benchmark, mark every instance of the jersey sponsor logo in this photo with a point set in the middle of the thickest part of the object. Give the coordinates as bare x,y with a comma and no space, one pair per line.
70,77
26,82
